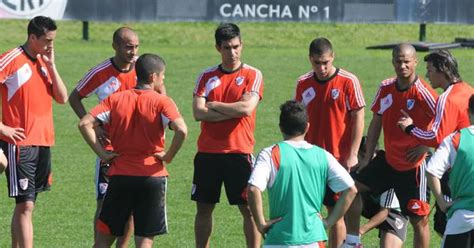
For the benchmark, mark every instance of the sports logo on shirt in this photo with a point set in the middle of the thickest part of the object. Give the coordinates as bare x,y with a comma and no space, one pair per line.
334,94
108,88
410,103
19,78
385,103
239,80
308,95
23,183
212,83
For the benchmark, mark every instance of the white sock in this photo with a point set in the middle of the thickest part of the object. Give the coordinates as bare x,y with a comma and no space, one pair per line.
352,239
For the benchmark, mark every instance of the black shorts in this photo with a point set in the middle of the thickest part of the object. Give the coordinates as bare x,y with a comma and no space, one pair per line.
330,197
410,186
145,197
395,223
213,169
28,171
439,216
101,179
462,240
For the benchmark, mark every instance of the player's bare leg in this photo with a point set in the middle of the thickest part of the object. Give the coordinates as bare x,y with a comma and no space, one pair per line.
252,235
103,240
96,216
22,225
337,233
122,242
421,231
390,240
354,212
203,224
143,242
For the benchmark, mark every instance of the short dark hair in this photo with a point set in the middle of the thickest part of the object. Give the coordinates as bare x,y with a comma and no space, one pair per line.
320,46
293,118
443,61
40,25
147,64
471,104
226,31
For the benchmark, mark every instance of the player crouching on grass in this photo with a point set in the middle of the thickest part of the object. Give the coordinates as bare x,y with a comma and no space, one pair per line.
382,210
296,174
138,177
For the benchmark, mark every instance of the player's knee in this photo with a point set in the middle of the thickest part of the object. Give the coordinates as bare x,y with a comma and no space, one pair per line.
204,209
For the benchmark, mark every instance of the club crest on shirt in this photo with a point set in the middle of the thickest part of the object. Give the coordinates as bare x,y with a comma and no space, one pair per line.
410,104
103,187
398,223
23,183
239,80
308,95
334,94
44,72
385,103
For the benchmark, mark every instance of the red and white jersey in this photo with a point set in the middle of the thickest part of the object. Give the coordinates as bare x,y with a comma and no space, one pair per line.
105,79
329,104
137,120
27,97
451,115
419,102
234,135
267,166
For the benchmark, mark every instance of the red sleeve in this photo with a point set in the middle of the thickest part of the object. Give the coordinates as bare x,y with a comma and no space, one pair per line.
376,105
276,156
7,64
102,111
170,110
354,93
456,139
255,83
445,122
200,87
88,84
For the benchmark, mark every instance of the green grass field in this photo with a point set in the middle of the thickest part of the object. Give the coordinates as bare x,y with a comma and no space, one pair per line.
63,217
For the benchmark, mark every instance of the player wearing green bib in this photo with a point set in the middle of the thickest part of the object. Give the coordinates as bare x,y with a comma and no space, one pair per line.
456,154
296,174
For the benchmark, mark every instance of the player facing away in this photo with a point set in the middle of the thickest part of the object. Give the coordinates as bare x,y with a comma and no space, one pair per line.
455,154
29,83
451,114
137,120
334,95
402,171
296,173
112,75
225,102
